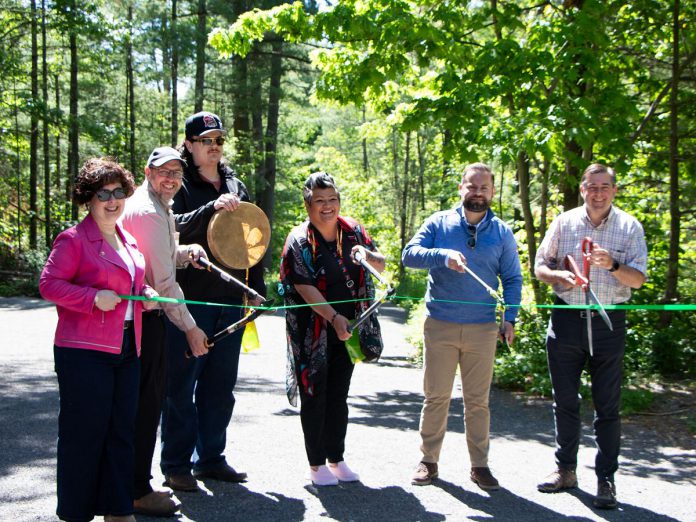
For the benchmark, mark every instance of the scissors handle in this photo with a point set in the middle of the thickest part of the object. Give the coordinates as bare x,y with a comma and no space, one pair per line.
580,280
587,245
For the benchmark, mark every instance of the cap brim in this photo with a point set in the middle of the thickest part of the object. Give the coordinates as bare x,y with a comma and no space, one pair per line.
222,131
164,159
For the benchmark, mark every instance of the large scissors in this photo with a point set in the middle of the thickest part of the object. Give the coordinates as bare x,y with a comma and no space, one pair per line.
582,279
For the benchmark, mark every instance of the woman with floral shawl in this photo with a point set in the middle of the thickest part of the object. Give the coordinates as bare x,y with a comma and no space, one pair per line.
318,269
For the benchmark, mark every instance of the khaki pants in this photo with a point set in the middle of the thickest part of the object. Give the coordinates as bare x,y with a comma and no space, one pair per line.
472,347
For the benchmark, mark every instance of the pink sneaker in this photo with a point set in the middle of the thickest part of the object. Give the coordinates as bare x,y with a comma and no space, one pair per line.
322,477
343,473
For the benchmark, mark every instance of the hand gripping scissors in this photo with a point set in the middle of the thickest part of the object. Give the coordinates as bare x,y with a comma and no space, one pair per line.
583,281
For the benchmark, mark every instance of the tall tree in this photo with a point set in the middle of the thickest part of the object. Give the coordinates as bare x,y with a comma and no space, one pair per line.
130,89
672,277
174,76
201,42
46,146
34,132
74,128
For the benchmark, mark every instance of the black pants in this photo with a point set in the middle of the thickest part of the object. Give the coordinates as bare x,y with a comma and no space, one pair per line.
568,352
325,415
153,379
98,399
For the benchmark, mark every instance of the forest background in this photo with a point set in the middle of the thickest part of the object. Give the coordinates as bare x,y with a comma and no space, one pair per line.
393,98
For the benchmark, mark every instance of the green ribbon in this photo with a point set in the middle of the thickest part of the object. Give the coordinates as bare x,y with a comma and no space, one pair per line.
674,307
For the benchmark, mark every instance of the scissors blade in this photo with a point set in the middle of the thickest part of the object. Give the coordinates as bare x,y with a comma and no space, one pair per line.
588,322
602,312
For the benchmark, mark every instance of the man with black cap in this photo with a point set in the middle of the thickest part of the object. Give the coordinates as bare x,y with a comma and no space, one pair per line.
149,218
200,399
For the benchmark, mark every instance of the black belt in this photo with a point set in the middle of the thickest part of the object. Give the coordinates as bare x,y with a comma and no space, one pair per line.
128,324
157,312
593,313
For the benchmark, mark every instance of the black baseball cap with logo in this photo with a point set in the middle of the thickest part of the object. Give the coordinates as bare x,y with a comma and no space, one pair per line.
203,123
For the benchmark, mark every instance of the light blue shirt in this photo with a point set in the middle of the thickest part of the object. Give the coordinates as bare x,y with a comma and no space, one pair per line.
493,256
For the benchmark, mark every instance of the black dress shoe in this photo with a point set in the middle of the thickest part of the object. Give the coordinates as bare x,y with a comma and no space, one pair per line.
225,473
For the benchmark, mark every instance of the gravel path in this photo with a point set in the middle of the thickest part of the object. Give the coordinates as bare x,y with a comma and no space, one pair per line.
655,483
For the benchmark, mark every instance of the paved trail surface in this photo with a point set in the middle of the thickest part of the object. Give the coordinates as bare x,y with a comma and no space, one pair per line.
655,483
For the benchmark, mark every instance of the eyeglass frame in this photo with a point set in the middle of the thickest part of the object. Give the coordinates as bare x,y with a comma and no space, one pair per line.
117,193
170,174
208,142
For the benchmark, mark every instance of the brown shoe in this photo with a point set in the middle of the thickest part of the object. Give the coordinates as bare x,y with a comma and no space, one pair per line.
225,473
559,480
606,495
484,479
182,482
119,518
156,504
425,473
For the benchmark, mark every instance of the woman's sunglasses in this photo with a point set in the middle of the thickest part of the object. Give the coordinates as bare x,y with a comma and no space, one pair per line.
105,194
220,140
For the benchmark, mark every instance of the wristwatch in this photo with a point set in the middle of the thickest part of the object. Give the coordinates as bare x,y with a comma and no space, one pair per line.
614,266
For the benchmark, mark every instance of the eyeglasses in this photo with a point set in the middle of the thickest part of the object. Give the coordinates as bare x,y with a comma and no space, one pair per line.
473,230
220,140
167,173
106,194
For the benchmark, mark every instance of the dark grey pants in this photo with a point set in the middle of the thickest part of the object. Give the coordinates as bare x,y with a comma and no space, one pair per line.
568,352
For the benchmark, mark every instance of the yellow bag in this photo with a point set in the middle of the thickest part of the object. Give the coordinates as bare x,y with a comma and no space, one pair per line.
250,338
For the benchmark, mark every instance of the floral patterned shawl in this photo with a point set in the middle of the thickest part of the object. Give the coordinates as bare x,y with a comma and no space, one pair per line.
307,352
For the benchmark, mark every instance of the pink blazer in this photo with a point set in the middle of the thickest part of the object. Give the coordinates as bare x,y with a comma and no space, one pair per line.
82,263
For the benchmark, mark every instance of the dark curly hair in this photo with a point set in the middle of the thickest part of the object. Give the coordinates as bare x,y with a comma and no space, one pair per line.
97,172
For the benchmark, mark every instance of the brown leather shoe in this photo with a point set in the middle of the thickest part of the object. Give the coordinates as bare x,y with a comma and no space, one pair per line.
606,495
119,518
484,479
559,480
225,473
424,474
156,504
181,482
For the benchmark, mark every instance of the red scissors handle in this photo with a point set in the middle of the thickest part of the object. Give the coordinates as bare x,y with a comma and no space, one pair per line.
587,245
580,280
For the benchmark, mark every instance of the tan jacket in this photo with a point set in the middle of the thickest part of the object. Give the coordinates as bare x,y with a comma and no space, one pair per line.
151,222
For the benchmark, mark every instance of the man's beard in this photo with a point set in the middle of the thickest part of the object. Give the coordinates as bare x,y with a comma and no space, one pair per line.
480,205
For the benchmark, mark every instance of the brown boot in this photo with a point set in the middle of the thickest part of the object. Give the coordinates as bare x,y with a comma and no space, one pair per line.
484,479
424,474
559,480
156,504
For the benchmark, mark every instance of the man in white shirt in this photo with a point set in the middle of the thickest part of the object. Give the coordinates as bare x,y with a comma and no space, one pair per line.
149,218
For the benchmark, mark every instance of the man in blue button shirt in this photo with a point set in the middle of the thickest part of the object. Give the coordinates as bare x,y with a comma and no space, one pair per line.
460,328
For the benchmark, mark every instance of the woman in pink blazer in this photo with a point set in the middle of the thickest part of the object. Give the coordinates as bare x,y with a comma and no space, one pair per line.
96,347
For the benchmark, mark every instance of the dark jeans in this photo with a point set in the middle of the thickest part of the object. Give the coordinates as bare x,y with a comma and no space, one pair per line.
324,416
567,350
98,401
153,374
199,400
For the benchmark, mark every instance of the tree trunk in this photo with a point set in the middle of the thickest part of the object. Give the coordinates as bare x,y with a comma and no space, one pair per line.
201,41
544,204
34,136
672,276
46,162
365,164
446,168
56,80
130,95
175,77
523,178
74,128
420,148
403,197
271,138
